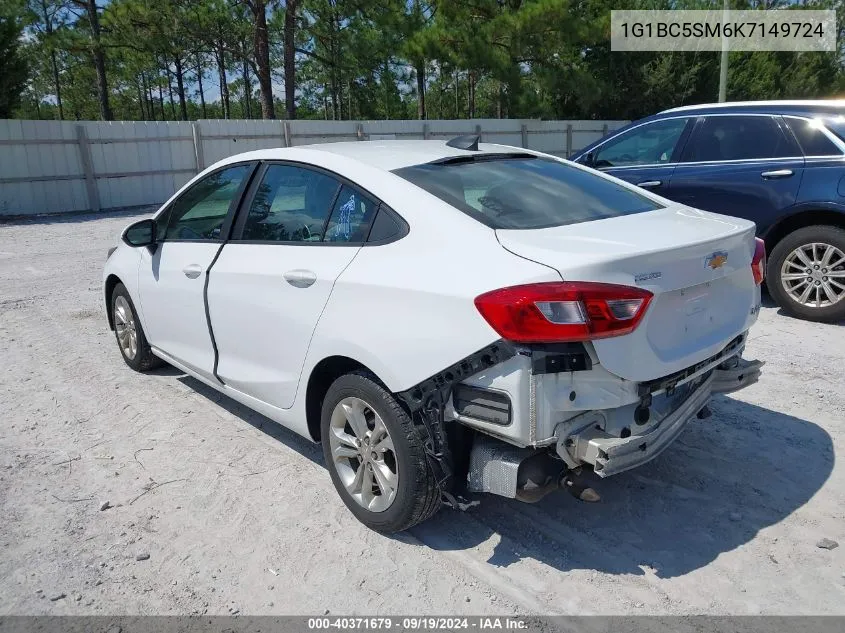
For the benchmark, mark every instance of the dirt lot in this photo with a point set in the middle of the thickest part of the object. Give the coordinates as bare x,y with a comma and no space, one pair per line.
230,513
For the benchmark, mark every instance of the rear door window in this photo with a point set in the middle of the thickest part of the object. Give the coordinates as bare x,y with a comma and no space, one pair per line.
741,137
526,192
291,204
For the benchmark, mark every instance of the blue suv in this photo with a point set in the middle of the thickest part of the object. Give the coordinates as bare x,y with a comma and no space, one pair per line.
780,164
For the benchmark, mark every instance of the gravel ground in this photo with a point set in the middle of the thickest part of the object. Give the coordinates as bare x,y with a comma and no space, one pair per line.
214,509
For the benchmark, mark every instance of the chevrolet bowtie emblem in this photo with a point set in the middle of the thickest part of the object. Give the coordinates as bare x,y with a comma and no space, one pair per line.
716,260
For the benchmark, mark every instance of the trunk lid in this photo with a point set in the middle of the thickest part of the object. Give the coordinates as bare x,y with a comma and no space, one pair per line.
697,264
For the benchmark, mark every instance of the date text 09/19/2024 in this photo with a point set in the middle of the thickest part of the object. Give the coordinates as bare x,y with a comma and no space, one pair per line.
430,623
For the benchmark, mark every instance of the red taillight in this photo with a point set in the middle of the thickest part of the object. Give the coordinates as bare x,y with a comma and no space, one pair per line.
563,311
758,264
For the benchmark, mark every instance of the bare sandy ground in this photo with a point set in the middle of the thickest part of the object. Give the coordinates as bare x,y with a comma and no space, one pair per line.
230,513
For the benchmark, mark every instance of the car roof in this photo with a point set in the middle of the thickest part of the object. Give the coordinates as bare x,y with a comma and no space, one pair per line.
815,106
386,155
807,107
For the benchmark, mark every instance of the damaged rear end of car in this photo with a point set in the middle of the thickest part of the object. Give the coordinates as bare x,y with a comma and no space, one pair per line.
604,369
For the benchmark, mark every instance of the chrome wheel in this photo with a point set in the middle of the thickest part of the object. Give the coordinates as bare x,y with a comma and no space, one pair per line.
124,327
363,454
814,275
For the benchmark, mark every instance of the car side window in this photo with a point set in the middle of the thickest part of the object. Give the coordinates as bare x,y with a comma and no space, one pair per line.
719,138
199,213
292,204
811,137
385,227
351,217
649,144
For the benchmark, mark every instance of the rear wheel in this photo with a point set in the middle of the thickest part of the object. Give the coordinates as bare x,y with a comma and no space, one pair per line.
806,273
130,336
375,457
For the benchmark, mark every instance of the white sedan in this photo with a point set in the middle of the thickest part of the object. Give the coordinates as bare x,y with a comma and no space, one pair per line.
442,316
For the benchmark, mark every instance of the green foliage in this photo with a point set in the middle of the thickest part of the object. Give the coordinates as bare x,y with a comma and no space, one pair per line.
377,59
13,66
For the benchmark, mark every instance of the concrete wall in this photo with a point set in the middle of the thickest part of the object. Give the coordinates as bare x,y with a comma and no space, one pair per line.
65,166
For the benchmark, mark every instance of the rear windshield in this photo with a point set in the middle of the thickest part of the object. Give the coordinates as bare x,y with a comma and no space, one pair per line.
525,192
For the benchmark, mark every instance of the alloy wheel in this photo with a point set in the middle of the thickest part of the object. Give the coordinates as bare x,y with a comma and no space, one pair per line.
363,454
124,327
814,275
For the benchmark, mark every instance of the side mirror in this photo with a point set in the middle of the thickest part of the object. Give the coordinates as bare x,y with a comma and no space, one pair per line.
588,159
141,233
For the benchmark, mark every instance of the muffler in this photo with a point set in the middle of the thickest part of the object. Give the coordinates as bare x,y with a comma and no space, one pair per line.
525,474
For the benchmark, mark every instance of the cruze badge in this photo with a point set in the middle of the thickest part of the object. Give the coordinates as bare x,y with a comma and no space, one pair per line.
716,260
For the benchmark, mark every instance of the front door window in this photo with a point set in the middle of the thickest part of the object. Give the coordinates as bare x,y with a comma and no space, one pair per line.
650,144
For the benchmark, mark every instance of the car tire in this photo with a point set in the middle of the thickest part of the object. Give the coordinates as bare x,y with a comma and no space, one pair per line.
784,258
398,461
129,334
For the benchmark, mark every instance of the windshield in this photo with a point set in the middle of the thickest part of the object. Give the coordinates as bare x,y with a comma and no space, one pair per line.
525,192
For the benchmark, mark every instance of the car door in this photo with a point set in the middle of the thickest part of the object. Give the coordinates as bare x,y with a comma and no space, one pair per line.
172,276
271,282
743,165
644,155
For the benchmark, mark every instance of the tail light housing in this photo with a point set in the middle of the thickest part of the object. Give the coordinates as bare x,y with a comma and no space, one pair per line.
563,311
758,264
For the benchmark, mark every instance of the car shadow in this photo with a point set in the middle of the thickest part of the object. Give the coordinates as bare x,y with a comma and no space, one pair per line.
768,302
261,422
722,482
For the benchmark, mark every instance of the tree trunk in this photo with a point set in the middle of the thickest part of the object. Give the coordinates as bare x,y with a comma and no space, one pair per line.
140,100
336,97
148,94
385,82
261,48
420,68
247,91
290,58
455,75
161,102
170,92
471,95
99,59
499,102
48,27
199,81
180,89
224,85
57,84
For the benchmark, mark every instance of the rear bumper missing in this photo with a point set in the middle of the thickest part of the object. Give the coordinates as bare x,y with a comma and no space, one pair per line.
609,439
610,455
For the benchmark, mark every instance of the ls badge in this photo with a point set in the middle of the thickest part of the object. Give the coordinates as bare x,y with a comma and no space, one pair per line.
716,260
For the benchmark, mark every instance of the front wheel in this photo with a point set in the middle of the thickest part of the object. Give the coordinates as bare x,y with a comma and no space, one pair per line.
130,336
806,273
375,457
